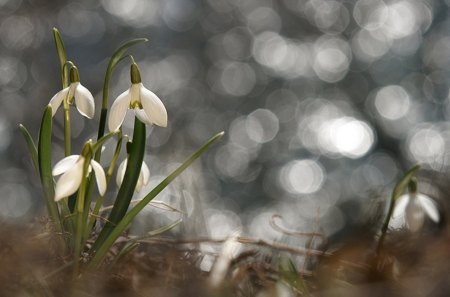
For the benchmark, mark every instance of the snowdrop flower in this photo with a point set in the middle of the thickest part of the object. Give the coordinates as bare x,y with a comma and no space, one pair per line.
415,206
147,107
144,175
84,100
71,168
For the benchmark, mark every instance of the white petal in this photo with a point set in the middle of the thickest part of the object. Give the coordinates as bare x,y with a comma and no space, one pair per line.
142,116
429,206
121,172
65,164
145,172
84,101
118,111
139,184
99,176
153,107
57,99
414,215
70,181
400,205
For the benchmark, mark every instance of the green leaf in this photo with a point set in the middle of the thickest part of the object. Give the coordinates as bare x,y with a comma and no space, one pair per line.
31,147
126,191
403,183
62,56
115,59
128,218
45,165
98,145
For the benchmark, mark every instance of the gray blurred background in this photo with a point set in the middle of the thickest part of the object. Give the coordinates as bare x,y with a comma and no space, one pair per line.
323,102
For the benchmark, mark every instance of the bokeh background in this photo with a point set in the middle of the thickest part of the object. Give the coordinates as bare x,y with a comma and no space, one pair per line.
323,102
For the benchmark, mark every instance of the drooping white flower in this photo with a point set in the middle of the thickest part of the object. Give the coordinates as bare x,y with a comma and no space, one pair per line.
415,206
147,107
71,168
144,175
84,101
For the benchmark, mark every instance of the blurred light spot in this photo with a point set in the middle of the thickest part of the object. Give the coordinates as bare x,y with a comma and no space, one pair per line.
262,125
13,73
167,75
264,19
180,15
426,145
369,45
347,136
137,13
436,87
287,58
370,14
392,102
221,223
15,202
438,55
302,176
240,134
332,59
78,22
405,18
232,161
17,32
330,17
237,43
237,79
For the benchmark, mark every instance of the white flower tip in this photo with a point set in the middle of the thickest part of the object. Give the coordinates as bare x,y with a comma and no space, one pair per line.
58,197
84,101
100,177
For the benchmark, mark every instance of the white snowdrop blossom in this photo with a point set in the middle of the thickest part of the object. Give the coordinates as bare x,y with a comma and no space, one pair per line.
414,206
84,101
144,175
71,168
147,107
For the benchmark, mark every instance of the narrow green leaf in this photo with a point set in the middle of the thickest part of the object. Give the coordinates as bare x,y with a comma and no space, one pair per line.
31,147
403,183
102,140
132,172
62,56
127,219
161,230
133,243
115,59
45,165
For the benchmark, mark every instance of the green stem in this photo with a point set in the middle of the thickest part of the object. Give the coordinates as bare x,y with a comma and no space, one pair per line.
80,222
66,130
